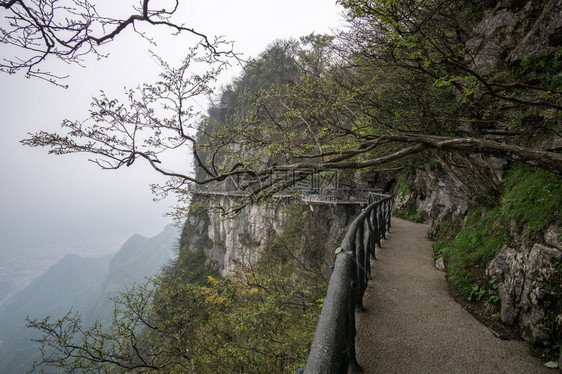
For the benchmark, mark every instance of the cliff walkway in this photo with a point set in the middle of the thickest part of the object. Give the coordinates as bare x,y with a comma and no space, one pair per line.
405,321
335,196
412,325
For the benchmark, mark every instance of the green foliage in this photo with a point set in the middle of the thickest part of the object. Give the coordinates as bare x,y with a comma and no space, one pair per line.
476,292
404,186
237,118
447,229
410,212
493,297
530,202
547,66
191,264
551,364
267,319
209,244
283,247
192,267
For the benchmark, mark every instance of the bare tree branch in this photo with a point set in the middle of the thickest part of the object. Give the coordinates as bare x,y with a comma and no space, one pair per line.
550,161
71,29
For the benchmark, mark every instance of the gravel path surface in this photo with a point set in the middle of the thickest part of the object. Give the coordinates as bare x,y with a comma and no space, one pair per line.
412,325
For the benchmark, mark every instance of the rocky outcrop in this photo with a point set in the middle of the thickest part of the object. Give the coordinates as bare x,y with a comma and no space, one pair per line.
241,239
528,285
229,241
444,188
511,30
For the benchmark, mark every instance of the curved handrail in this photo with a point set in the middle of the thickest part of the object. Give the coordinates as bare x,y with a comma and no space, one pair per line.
333,347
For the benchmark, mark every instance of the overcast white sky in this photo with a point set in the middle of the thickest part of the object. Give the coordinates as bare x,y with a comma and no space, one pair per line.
64,201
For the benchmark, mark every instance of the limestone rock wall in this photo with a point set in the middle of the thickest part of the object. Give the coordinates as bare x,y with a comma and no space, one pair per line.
229,241
444,188
513,29
529,280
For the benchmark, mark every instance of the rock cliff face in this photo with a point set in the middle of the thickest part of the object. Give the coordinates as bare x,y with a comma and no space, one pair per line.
513,29
527,280
230,241
444,188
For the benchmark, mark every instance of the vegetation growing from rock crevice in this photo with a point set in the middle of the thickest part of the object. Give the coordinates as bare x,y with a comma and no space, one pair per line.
530,203
410,212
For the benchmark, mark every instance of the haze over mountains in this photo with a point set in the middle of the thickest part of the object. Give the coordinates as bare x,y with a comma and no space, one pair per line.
22,264
82,283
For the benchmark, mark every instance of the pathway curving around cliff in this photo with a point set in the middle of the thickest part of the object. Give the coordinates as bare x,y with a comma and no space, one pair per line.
412,325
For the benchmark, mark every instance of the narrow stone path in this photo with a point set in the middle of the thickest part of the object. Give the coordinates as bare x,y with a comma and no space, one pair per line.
412,325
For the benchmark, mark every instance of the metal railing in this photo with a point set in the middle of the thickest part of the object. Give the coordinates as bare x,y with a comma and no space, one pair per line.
333,347
337,194
297,196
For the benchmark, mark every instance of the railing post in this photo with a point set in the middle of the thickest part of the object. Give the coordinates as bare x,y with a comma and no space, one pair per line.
382,223
360,270
389,213
368,246
350,360
378,224
374,231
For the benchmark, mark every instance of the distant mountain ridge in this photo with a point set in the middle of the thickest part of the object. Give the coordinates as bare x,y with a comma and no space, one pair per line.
138,258
82,283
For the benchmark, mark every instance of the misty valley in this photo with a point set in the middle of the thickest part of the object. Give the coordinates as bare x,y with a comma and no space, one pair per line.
84,284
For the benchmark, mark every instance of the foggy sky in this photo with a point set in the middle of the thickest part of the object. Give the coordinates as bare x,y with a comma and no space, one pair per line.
47,200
